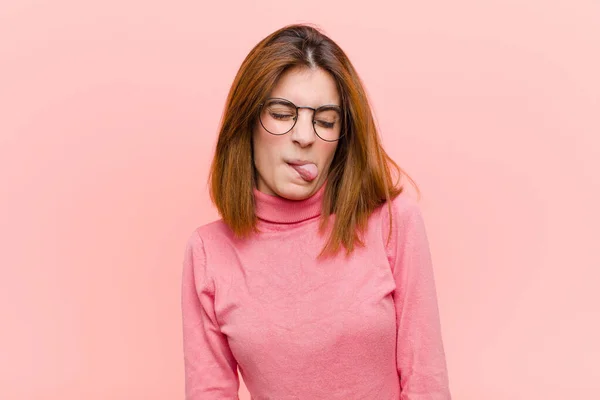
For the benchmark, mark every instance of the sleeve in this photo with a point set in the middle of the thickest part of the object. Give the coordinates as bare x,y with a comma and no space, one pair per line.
210,368
420,353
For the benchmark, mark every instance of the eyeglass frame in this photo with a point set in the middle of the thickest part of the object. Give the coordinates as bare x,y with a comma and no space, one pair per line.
342,134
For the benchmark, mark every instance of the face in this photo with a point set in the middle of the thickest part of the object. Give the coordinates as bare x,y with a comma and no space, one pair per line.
274,155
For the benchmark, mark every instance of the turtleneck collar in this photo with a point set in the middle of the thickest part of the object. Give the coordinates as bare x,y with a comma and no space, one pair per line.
281,210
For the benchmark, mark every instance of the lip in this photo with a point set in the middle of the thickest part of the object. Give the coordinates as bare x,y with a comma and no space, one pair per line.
299,162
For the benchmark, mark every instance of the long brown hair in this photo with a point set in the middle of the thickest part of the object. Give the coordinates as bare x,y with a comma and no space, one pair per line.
359,178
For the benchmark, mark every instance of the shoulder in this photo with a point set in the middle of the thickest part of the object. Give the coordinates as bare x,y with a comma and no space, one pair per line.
404,222
403,208
201,246
202,233
210,240
214,231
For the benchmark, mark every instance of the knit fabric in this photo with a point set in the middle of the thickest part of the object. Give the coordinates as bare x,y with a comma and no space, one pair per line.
365,327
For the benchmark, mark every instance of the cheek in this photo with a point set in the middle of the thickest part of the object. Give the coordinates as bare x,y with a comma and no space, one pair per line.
264,149
328,151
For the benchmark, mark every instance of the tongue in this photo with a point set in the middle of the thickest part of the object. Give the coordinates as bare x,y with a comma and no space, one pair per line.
308,172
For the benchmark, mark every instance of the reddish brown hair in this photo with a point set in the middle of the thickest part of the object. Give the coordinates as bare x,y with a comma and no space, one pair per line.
359,179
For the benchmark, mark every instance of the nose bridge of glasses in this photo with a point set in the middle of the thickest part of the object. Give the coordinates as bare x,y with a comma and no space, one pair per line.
309,108
310,116
311,112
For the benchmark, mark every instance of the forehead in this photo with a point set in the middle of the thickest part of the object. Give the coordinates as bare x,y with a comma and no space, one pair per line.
307,87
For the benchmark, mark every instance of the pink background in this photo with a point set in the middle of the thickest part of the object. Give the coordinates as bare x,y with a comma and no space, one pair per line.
108,117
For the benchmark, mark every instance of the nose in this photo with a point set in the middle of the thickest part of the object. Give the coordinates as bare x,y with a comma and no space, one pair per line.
304,132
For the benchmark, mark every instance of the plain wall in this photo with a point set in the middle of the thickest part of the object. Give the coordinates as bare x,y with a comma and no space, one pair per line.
108,120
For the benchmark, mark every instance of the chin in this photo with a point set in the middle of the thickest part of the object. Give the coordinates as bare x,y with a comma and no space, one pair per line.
292,190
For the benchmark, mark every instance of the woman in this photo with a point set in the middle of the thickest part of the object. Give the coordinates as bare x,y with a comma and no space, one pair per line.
317,283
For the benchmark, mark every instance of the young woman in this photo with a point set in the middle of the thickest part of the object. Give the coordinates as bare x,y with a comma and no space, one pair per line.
317,282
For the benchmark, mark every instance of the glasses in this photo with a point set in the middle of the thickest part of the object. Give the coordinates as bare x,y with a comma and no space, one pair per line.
278,116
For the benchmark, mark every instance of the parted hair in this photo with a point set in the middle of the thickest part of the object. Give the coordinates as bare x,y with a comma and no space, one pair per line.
360,176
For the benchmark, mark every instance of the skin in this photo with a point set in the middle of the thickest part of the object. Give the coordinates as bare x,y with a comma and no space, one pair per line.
304,87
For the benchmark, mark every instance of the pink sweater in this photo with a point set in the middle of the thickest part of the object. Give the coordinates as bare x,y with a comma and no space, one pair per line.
364,328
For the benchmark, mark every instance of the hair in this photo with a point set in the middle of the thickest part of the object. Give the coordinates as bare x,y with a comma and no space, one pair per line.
359,179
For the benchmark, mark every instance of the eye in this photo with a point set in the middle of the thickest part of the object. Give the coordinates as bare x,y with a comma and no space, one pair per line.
327,117
326,124
281,116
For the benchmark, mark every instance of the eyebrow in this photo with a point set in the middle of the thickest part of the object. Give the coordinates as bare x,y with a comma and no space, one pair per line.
281,100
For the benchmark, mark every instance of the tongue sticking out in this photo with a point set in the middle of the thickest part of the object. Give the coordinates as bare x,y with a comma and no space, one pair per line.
308,172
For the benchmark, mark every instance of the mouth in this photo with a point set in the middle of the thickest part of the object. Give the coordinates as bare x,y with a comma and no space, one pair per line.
307,170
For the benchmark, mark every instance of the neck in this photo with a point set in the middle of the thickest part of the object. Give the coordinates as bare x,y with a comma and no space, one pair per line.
281,210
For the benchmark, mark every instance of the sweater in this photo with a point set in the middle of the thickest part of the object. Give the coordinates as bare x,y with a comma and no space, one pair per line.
365,327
